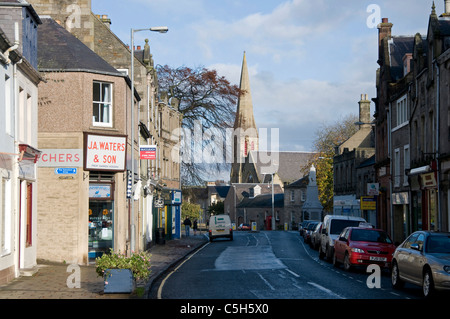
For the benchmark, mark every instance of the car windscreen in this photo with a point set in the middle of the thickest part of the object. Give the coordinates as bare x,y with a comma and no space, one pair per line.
337,225
369,235
438,244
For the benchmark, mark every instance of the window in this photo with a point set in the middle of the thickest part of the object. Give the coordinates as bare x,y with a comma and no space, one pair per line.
7,104
407,164
303,195
292,195
402,111
102,104
397,167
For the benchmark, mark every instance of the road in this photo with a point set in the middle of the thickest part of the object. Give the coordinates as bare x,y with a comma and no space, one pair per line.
270,265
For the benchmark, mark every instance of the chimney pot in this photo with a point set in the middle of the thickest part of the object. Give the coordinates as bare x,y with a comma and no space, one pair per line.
138,47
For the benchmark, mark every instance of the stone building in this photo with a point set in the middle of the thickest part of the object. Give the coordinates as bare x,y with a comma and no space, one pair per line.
157,117
294,198
349,155
19,151
244,204
84,129
412,128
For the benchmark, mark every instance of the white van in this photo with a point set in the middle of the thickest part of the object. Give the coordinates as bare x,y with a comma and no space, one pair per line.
220,226
332,227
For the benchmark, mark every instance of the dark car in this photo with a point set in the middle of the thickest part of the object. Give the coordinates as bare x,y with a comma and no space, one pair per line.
423,259
309,230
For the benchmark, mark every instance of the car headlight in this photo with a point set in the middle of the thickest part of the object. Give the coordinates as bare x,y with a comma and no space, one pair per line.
358,250
447,269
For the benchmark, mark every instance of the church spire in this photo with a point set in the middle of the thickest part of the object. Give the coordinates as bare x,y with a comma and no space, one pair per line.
244,114
245,136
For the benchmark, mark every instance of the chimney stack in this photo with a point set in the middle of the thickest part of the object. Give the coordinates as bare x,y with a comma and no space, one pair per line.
446,8
364,111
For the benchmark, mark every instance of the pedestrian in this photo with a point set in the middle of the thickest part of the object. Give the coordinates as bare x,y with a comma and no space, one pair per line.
187,224
195,227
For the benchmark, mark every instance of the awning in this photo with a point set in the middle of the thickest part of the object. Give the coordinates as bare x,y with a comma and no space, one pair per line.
420,170
28,152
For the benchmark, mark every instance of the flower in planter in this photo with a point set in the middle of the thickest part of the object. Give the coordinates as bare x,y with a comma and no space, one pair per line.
138,263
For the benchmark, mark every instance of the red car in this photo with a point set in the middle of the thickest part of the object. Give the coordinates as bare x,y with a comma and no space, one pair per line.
360,246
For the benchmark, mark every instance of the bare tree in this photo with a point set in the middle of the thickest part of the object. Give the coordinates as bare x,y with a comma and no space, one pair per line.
208,101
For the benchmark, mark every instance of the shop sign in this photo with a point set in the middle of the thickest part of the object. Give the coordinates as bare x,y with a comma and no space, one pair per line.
400,198
99,190
105,152
368,203
61,158
147,152
428,180
373,189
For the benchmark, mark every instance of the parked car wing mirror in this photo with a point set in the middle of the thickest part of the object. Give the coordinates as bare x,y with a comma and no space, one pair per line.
415,246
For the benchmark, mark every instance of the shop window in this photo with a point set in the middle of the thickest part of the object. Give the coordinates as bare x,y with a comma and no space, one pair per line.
102,104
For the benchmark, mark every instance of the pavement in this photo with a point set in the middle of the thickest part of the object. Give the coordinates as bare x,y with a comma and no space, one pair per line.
52,281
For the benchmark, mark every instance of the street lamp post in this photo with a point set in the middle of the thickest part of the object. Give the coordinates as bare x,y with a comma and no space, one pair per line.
155,29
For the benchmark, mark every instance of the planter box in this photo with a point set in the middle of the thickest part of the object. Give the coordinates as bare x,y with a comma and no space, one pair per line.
119,281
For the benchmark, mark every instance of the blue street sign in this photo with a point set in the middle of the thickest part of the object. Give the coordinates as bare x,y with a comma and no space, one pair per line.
65,171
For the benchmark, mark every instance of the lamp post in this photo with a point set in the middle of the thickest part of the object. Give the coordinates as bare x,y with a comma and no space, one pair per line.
155,29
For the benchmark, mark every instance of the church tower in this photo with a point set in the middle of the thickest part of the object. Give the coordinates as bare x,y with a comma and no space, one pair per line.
245,135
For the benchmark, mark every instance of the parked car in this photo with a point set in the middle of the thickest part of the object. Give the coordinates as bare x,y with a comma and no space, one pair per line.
302,226
244,227
315,236
423,259
332,227
308,231
361,246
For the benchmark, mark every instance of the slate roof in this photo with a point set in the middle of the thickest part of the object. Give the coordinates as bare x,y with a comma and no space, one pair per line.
59,50
263,201
300,183
398,47
290,164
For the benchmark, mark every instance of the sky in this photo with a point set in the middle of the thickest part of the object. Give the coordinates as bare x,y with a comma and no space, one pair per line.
309,61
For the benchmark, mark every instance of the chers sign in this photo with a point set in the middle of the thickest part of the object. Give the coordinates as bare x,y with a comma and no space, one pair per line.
104,152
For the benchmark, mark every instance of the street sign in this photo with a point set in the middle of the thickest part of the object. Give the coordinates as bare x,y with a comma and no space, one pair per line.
65,171
159,203
147,152
368,203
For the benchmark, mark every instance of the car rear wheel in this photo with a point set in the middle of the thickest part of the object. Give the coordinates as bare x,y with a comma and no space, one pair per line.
397,283
427,284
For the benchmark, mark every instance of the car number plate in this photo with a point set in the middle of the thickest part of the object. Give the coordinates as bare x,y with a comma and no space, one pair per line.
378,258
220,229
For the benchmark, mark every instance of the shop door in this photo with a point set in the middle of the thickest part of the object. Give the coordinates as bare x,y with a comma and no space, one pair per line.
101,218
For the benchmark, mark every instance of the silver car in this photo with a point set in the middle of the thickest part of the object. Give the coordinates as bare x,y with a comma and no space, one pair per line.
423,259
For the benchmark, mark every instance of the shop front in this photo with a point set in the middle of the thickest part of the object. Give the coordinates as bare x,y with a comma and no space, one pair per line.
104,158
101,218
424,199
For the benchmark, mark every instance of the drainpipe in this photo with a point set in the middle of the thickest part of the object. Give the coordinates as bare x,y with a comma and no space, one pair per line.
437,143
